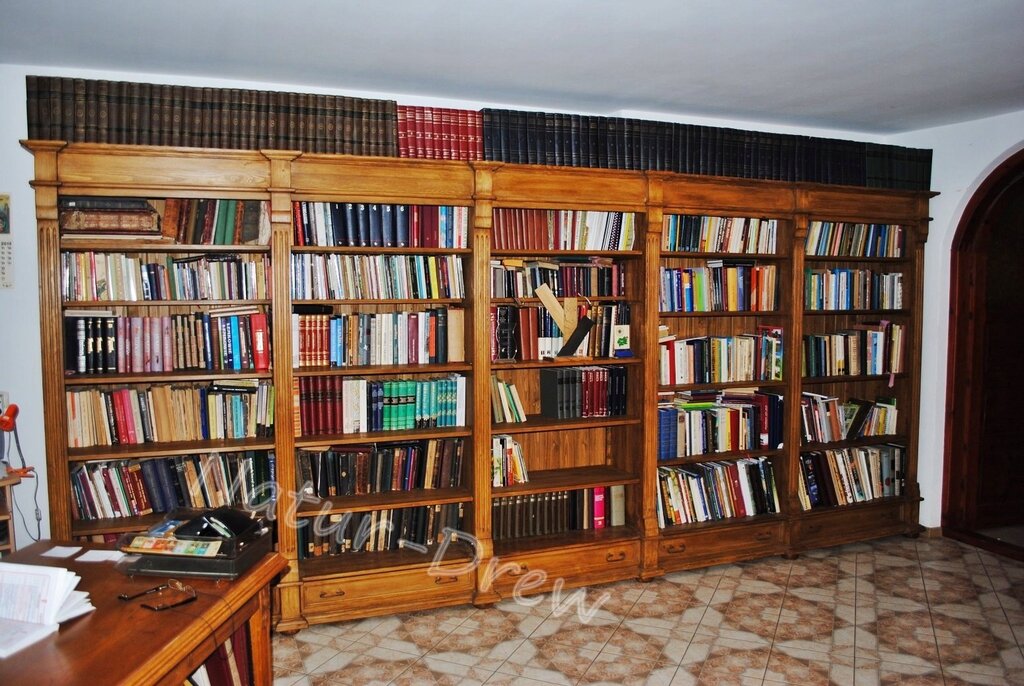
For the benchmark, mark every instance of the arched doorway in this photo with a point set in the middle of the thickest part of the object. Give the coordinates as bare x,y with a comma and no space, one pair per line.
983,493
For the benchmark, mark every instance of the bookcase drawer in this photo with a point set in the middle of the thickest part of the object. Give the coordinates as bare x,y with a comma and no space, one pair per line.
715,546
845,525
575,566
385,593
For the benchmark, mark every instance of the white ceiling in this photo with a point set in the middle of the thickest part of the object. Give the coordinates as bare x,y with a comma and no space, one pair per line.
861,65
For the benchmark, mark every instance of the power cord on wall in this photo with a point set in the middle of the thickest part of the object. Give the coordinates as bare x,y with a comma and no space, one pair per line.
8,424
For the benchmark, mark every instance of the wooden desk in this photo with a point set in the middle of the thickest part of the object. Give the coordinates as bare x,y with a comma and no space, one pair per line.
122,642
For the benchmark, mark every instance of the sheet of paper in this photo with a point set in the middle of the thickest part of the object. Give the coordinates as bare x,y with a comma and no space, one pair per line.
100,556
62,551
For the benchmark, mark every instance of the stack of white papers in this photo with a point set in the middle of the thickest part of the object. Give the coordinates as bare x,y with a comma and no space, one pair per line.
34,600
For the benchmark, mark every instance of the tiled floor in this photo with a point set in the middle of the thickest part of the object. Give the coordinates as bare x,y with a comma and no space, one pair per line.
895,611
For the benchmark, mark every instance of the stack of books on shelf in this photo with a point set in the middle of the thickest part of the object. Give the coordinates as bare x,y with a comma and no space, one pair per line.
380,467
722,286
852,289
583,392
132,488
241,408
718,422
721,359
825,420
508,464
349,405
703,233
849,239
379,225
317,276
870,348
108,217
712,491
416,528
440,133
557,512
547,230
831,478
506,405
107,277
431,336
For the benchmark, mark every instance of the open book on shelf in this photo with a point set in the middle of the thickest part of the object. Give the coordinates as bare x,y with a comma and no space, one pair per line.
34,600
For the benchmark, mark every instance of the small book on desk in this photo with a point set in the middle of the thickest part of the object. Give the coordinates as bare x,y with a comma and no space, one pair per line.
34,600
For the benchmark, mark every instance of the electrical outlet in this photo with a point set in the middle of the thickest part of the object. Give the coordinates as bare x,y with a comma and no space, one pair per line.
4,399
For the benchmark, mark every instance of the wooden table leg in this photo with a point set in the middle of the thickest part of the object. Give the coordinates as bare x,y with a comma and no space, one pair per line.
259,641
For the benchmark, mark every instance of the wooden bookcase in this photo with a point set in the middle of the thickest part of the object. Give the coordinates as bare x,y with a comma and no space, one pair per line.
562,455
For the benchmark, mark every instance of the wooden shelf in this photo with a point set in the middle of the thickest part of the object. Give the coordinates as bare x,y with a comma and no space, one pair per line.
854,443
364,562
117,525
195,375
538,424
140,245
512,365
148,450
891,313
382,301
554,255
719,313
720,457
722,385
381,369
565,540
392,500
548,480
368,250
864,378
207,304
840,258
727,523
757,257
381,437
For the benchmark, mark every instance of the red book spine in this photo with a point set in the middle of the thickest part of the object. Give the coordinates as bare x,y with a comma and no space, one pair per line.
260,341
599,507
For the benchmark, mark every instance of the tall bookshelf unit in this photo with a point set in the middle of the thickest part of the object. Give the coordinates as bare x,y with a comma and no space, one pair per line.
618,454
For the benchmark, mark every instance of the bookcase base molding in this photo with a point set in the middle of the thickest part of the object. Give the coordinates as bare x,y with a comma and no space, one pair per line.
367,348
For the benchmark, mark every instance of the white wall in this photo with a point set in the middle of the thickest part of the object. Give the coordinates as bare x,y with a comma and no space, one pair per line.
964,155
962,152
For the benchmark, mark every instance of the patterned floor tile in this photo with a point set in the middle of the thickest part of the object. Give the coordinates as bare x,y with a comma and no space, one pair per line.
746,616
673,607
816,623
807,668
895,635
547,661
476,648
284,677
645,642
611,668
520,621
296,654
359,665
427,671
713,660
881,673
569,631
976,643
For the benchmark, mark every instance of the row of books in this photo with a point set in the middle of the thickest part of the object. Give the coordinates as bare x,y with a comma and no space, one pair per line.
852,289
380,467
506,404
824,419
713,491
217,221
704,233
376,277
868,348
851,239
327,405
440,133
108,277
624,143
379,225
508,464
721,359
417,528
556,512
722,286
432,336
131,488
102,111
732,421
242,408
529,332
546,230
851,475
104,343
583,392
513,277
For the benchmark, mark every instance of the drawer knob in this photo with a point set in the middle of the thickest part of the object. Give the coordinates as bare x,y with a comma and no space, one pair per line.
675,548
332,594
814,528
615,557
441,580
763,536
523,569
